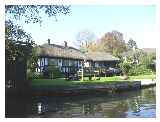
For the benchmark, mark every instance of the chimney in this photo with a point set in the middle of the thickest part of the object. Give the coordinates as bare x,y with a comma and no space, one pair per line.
49,41
65,43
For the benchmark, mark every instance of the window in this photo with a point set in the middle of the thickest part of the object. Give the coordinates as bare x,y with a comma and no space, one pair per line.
59,60
71,62
53,62
65,62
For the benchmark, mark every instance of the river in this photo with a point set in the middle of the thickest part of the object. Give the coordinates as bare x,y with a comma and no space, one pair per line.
131,104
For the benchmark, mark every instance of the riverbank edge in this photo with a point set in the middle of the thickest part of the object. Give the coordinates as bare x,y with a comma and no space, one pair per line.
84,89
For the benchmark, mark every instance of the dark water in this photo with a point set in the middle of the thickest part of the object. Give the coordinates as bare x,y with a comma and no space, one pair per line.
139,104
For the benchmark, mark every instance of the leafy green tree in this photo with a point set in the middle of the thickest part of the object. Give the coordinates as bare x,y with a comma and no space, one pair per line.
34,13
32,60
132,44
20,44
14,35
143,66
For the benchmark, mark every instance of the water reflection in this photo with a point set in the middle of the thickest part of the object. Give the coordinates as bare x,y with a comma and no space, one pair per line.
17,106
128,104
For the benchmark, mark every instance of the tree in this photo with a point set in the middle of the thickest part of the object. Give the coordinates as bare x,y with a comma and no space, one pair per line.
13,35
19,44
141,63
117,35
113,43
85,40
31,13
132,44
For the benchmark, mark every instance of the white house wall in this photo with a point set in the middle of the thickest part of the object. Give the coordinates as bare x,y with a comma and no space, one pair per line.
38,69
64,64
96,64
59,62
79,64
46,61
42,62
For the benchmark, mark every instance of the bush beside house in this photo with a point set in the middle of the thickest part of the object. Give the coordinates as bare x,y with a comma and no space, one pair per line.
125,67
138,63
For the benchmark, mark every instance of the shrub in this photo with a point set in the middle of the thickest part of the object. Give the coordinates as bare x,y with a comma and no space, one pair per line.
142,63
125,67
145,60
139,70
34,75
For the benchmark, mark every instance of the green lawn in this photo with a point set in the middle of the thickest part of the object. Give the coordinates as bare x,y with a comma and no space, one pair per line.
103,80
153,76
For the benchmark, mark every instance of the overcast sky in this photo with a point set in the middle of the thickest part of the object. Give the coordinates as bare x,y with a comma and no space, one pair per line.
136,22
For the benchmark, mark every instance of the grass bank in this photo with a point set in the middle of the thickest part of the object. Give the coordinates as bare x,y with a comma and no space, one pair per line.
103,80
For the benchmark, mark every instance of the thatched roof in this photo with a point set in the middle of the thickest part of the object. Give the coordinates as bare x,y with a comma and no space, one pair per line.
52,50
101,56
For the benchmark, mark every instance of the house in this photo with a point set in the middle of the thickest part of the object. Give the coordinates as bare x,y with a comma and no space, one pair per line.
70,59
101,59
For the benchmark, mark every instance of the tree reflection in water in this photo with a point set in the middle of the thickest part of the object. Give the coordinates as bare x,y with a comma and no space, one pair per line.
117,111
127,104
17,106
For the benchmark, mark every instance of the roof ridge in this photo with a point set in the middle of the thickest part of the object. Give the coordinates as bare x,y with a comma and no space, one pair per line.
60,46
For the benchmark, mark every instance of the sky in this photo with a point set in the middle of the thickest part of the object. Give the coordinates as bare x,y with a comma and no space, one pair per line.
136,22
